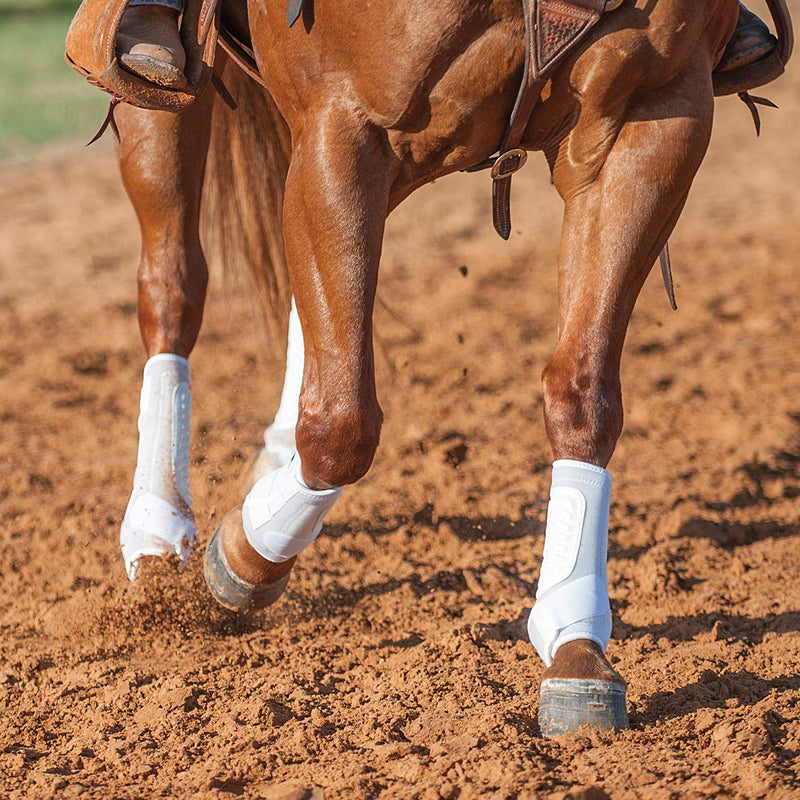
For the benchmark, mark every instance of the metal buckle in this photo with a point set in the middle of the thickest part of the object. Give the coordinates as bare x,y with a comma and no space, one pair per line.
508,163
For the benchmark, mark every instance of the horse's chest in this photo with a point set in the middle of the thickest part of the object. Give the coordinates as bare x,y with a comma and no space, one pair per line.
455,107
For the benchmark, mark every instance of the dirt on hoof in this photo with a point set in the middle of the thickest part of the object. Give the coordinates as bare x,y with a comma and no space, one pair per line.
397,663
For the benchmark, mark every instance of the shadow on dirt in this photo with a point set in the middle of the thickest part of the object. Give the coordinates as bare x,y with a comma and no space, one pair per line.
736,534
508,630
711,691
721,626
466,529
337,600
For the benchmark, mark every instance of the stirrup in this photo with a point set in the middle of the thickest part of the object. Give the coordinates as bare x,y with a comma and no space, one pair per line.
766,69
91,51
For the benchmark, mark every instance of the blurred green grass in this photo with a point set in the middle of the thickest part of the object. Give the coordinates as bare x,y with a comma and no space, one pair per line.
41,98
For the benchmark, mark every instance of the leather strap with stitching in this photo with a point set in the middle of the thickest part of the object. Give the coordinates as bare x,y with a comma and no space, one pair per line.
552,30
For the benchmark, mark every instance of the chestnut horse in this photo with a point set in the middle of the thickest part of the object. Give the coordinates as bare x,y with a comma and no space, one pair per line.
367,102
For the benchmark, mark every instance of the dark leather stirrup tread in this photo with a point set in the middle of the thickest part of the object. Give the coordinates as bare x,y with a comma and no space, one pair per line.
767,69
91,51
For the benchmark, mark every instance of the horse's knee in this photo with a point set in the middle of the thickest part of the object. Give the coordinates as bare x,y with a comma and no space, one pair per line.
582,407
337,445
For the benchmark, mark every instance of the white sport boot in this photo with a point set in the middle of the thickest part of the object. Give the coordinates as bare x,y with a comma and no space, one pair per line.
159,518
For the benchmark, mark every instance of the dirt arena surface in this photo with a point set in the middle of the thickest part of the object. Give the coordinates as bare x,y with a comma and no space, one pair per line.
397,666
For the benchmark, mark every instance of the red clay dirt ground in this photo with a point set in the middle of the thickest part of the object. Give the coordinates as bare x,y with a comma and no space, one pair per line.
397,666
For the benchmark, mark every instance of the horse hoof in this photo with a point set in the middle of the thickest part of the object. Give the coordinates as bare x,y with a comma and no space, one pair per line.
567,703
229,590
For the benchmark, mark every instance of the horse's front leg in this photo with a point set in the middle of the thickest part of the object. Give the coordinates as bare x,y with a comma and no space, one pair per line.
162,160
619,211
334,213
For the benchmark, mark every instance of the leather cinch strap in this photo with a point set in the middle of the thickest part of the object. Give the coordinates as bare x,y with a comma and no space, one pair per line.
552,29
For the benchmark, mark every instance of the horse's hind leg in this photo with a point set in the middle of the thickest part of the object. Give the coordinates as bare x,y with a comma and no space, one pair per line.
618,215
162,160
279,436
335,206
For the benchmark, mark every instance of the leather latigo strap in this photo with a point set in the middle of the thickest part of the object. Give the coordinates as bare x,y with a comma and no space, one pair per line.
552,30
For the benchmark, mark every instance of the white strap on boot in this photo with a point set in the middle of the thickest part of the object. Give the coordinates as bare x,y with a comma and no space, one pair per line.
572,595
159,518
282,516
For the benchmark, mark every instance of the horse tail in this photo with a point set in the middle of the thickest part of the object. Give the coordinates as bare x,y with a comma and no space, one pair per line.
248,159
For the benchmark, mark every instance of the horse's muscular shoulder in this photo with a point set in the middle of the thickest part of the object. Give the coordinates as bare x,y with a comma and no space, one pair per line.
636,50
645,45
422,71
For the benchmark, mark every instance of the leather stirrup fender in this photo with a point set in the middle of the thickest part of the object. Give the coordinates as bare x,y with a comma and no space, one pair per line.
91,50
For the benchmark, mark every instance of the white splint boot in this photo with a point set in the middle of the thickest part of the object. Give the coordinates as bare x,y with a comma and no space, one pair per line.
279,441
572,595
159,518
